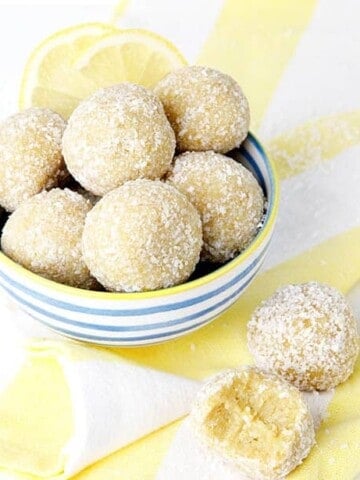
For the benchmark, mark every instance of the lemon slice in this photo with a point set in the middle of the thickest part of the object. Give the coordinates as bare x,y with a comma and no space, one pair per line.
133,55
49,79
72,63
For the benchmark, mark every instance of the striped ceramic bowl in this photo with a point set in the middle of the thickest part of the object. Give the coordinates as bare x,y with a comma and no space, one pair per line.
132,319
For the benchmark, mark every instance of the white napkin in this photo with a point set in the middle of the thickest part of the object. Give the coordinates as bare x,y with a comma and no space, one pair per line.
114,401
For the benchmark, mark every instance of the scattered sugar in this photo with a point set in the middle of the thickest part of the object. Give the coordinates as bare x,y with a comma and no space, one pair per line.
30,155
228,197
119,133
44,235
206,108
145,235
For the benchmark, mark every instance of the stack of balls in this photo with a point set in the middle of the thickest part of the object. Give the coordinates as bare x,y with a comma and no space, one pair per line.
149,194
140,218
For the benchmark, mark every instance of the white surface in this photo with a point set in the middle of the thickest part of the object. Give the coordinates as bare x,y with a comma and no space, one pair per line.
315,205
188,22
322,77
16,327
23,24
189,459
22,27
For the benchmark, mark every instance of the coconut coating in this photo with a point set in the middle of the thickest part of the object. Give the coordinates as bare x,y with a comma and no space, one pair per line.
44,236
228,197
145,235
30,155
256,420
206,108
307,334
119,133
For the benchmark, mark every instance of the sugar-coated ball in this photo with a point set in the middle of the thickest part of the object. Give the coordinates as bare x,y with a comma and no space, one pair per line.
256,420
144,235
30,155
307,334
228,197
44,235
119,133
206,108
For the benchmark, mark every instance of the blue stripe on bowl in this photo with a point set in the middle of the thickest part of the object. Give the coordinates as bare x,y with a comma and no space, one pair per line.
117,340
149,310
254,142
35,303
129,312
257,172
117,328
129,340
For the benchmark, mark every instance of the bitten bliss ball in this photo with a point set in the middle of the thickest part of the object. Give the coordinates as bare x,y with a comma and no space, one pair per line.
228,197
30,155
145,235
307,334
119,133
44,236
256,420
206,108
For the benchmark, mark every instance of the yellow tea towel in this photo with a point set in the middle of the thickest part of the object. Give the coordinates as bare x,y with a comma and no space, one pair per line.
67,406
296,61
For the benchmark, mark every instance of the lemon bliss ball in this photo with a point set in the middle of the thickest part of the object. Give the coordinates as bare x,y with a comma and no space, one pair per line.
228,197
30,155
44,236
119,133
307,334
206,108
145,235
256,420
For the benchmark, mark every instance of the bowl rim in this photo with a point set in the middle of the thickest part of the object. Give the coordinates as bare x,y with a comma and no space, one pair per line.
273,205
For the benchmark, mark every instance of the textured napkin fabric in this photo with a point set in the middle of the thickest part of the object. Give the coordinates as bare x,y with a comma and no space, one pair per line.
297,63
66,405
